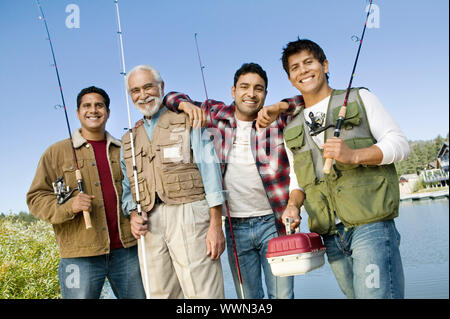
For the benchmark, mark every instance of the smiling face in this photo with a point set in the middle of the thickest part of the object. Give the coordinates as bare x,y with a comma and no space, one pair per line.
146,93
308,75
249,95
93,115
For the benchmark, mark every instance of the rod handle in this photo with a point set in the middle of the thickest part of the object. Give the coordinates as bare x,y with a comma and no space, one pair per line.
327,165
86,214
342,113
87,219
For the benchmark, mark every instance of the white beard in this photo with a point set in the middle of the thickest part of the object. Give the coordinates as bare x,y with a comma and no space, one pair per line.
148,110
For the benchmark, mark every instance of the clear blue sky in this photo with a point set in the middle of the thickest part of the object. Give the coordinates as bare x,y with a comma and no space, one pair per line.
405,61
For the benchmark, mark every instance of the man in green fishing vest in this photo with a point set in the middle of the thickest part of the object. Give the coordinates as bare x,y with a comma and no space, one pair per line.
354,206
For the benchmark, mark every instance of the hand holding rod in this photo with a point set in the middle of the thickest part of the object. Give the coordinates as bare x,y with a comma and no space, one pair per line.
343,110
86,214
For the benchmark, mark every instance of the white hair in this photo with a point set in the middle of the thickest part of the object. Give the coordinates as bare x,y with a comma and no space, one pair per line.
145,67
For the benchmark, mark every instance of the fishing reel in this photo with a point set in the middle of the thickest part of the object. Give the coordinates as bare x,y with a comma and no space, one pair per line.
315,127
63,192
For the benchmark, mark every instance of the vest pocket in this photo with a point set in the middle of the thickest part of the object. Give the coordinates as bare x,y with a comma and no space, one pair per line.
294,137
353,116
171,152
184,185
304,168
318,213
360,201
128,158
143,191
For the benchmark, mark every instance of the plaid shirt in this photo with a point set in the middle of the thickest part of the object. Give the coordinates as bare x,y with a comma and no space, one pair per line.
267,147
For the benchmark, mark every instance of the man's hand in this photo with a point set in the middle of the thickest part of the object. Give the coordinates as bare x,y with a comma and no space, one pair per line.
139,123
82,202
215,240
336,148
269,114
293,212
197,115
138,224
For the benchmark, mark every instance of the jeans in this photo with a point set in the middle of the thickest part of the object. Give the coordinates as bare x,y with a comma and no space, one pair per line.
252,237
83,277
366,260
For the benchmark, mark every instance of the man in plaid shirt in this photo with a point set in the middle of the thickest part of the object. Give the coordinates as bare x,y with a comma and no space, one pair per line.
256,174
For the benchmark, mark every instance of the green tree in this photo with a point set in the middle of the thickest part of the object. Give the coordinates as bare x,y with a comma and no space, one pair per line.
422,153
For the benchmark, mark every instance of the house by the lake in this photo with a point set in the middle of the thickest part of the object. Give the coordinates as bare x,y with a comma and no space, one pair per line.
436,173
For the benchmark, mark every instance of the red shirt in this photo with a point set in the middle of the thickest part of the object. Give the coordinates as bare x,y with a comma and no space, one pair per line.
108,191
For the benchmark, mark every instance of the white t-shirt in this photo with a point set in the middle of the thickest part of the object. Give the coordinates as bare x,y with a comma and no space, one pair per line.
390,139
247,196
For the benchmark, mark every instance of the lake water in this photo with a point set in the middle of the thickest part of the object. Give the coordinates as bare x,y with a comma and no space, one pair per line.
424,229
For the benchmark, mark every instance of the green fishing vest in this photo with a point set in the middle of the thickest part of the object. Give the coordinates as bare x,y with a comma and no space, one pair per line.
357,194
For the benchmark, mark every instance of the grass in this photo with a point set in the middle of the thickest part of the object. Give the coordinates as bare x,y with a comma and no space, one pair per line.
29,260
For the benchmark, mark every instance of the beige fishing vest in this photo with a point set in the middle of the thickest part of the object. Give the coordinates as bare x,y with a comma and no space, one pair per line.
164,164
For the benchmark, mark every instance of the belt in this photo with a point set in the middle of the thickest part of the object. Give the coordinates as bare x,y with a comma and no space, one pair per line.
158,200
243,219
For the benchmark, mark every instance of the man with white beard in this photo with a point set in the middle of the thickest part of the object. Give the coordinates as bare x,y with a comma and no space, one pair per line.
180,193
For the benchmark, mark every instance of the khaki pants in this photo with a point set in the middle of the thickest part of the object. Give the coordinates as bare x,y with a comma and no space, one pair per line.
176,253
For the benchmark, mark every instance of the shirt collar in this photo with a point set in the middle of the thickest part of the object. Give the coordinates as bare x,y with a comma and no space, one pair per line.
155,117
227,114
78,140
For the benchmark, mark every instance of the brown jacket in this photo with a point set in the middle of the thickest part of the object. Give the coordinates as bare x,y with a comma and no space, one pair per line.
72,237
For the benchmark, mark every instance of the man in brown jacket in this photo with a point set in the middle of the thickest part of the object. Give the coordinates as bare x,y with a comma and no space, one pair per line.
108,249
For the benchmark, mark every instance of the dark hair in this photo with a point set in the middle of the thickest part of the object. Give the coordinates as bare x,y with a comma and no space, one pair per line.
250,68
301,45
93,89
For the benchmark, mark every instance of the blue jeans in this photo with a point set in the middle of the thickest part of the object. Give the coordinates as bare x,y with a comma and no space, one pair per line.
366,260
83,277
252,237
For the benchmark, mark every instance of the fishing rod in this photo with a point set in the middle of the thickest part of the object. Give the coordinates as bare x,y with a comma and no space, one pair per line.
138,202
201,66
223,186
86,215
234,246
343,109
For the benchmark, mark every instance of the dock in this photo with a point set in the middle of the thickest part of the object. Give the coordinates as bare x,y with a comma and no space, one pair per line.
425,195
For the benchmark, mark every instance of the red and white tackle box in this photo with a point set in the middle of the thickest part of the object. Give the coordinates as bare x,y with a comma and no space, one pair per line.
295,254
